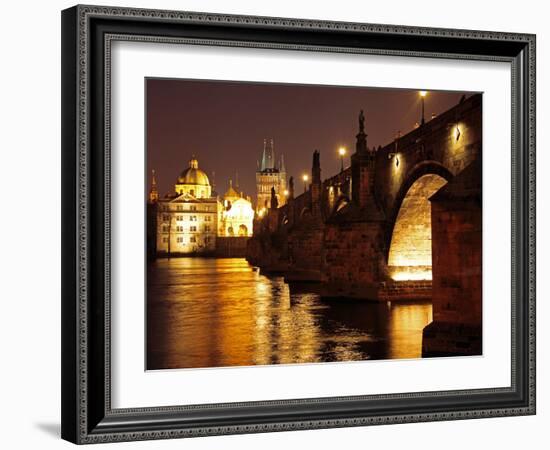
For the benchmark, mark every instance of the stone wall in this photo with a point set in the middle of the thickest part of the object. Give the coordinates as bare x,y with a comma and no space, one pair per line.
353,259
305,251
231,247
457,267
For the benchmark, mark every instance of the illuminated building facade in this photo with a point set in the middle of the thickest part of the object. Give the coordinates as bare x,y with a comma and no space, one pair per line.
187,220
192,219
270,175
237,215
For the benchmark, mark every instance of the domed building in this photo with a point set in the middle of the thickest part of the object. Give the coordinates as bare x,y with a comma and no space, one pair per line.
194,181
194,220
187,220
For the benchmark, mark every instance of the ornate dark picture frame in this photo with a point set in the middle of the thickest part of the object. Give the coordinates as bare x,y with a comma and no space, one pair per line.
87,34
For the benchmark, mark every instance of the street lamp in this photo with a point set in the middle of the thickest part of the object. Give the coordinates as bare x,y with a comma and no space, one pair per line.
305,178
422,95
342,153
285,192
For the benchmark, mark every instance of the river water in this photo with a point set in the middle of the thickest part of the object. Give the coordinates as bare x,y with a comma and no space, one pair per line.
206,312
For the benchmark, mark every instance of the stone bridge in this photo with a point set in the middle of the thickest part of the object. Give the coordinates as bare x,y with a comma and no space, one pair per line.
403,222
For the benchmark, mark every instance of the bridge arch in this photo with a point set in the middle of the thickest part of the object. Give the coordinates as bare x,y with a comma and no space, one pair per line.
409,251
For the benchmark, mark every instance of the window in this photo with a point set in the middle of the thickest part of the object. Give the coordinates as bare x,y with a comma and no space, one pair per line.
179,217
207,240
165,228
179,207
179,228
193,218
193,228
193,239
207,218
166,218
207,228
193,208
165,240
179,240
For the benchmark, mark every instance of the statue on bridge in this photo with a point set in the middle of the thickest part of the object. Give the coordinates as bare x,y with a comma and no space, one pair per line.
274,201
361,122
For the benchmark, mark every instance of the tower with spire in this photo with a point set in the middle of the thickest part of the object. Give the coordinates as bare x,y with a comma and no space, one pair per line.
270,174
153,193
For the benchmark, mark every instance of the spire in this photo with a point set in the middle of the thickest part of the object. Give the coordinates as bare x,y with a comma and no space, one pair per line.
291,188
193,163
153,193
268,156
282,167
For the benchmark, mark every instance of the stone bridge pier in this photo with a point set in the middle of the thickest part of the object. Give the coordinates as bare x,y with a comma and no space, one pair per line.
403,222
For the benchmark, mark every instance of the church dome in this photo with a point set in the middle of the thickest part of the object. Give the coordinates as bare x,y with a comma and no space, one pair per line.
193,175
231,193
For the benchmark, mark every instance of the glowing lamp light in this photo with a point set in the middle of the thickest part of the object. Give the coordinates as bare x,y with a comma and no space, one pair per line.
342,152
305,178
285,192
396,156
457,133
423,93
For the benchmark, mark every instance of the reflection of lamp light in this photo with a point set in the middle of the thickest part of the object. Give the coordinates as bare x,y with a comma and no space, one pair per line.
342,153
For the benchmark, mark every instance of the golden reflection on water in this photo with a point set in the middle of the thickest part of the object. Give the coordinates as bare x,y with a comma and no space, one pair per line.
205,312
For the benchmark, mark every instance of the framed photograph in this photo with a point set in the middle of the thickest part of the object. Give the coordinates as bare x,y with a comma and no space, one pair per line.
279,224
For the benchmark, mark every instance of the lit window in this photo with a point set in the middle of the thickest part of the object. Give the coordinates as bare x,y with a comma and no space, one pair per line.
193,228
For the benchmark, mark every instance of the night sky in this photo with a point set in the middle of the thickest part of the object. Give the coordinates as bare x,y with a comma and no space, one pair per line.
224,124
